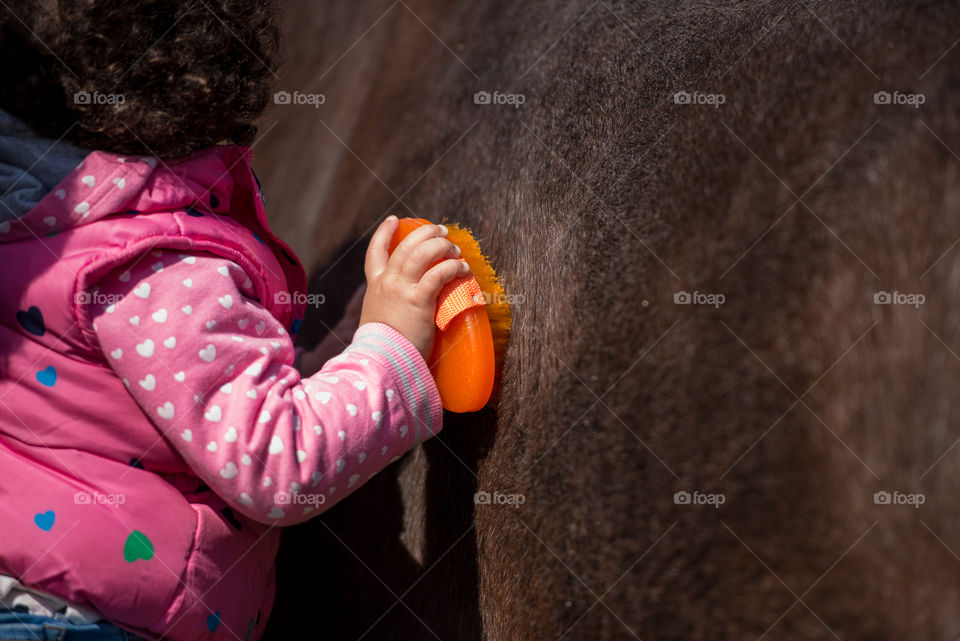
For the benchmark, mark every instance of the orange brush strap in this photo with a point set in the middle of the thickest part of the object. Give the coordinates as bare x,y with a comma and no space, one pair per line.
458,295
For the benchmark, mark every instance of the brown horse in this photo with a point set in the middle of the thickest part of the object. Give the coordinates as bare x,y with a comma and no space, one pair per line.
730,232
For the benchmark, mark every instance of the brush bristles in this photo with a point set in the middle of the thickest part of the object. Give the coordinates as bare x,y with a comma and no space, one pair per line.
498,310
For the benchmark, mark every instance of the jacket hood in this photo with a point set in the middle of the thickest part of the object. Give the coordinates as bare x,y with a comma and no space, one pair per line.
30,165
131,184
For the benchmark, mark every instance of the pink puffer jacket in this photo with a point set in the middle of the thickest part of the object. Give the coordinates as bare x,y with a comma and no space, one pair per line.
172,560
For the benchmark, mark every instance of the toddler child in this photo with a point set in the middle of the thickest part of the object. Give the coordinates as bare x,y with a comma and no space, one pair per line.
155,434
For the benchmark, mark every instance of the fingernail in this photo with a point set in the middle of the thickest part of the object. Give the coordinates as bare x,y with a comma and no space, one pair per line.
456,250
443,230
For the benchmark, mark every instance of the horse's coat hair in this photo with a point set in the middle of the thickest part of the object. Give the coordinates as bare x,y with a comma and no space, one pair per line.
599,199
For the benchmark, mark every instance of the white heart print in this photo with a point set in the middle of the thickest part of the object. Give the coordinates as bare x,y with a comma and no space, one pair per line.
208,353
276,445
145,348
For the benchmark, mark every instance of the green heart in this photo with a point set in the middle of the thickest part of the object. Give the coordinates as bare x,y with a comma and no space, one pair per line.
138,546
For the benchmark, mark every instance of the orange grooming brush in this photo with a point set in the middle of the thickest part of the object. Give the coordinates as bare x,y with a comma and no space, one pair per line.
473,326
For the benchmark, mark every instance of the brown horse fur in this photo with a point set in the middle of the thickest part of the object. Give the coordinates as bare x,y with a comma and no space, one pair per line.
598,199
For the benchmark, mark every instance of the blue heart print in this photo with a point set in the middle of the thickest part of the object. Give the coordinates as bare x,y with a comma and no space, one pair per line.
213,621
32,320
47,376
44,520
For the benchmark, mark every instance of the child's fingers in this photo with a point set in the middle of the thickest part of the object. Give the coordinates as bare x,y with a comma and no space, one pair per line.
413,240
438,276
378,251
421,257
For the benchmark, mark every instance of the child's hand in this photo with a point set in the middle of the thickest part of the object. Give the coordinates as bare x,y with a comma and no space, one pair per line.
402,287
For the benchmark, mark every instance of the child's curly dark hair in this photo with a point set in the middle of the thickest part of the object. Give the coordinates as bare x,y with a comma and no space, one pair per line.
150,77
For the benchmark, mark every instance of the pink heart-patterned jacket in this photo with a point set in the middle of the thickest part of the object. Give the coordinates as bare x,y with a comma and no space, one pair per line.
154,434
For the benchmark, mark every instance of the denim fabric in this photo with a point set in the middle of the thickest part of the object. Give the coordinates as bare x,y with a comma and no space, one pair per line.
17,625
